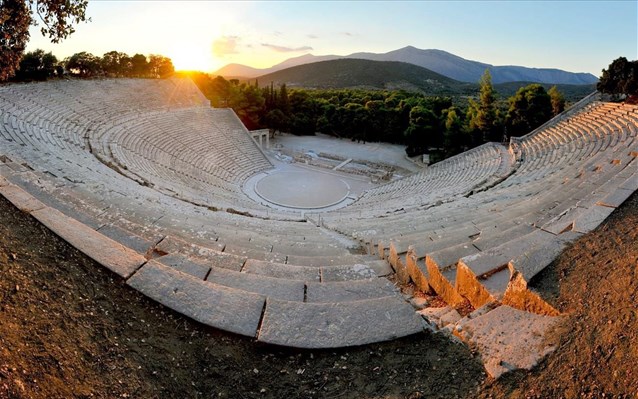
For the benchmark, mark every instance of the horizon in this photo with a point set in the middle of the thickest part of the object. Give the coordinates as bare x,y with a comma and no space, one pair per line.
575,36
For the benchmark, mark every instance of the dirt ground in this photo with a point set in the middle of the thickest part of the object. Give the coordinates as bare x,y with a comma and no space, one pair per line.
70,329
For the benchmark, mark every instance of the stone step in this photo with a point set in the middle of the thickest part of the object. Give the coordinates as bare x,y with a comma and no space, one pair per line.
330,325
139,244
271,287
441,317
173,245
507,339
107,252
20,198
346,291
282,270
328,260
195,267
228,309
489,268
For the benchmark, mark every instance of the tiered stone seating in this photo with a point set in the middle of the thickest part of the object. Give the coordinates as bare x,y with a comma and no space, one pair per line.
92,142
145,178
569,178
471,171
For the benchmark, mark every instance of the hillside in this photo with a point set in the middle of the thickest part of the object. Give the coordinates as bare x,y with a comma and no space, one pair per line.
390,75
439,61
464,70
355,73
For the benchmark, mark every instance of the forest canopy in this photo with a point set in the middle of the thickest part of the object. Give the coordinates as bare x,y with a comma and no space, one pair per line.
436,125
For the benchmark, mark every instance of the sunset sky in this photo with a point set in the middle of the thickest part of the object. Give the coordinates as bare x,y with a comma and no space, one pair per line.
578,36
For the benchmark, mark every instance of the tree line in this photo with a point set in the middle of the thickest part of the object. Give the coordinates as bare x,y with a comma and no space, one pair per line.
38,65
425,124
620,78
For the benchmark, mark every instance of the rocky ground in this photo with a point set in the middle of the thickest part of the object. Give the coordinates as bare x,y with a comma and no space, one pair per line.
70,329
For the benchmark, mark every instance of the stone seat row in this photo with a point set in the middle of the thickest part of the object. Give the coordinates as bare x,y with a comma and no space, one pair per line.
72,112
535,202
287,312
456,176
571,202
263,241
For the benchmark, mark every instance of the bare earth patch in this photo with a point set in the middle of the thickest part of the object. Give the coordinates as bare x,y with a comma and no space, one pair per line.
70,329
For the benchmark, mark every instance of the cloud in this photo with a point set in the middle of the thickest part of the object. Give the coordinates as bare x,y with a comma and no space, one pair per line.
311,36
347,34
225,45
284,49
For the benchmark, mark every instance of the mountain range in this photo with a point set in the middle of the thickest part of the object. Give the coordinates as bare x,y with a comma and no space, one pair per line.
394,75
439,61
367,74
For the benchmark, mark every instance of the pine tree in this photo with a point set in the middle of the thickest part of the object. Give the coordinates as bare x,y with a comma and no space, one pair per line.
486,116
558,100
283,102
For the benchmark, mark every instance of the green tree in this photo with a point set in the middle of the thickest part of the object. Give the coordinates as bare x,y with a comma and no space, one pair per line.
283,103
160,66
276,120
303,113
455,139
84,64
377,117
484,115
621,77
557,99
529,108
37,65
139,66
248,102
57,19
116,63
422,131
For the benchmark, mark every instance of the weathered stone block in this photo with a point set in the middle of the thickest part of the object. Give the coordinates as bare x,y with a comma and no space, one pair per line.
591,218
282,270
289,290
441,284
20,198
616,198
331,325
194,267
126,238
344,291
417,271
347,273
110,254
221,307
509,339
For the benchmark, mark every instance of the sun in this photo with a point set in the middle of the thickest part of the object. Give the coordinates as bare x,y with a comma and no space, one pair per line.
192,58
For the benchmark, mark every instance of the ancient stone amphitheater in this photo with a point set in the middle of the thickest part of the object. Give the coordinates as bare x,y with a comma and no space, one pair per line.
147,179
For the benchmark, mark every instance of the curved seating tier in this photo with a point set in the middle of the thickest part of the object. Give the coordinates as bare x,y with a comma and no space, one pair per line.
568,178
161,133
141,175
470,171
224,268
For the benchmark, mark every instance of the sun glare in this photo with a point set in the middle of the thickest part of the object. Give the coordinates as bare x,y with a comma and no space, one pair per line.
191,58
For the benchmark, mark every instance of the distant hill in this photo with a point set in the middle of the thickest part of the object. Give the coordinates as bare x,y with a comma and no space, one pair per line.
442,62
464,70
366,74
390,75
246,72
